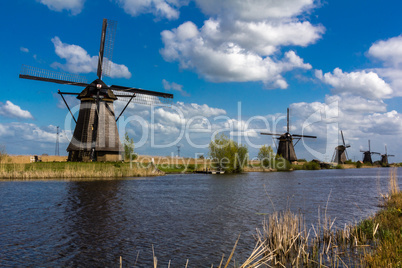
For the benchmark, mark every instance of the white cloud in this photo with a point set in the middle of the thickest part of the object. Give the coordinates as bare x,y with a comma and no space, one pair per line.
174,86
79,61
389,51
255,9
160,8
227,62
262,37
24,49
384,123
74,6
28,138
238,43
14,111
360,83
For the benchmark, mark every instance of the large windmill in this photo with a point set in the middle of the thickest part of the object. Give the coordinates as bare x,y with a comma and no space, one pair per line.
384,157
96,136
340,155
286,148
367,154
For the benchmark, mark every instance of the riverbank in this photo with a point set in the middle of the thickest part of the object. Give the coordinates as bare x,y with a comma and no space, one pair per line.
25,167
75,170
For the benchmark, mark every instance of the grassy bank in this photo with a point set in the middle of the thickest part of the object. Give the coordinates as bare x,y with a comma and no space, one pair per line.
44,170
388,237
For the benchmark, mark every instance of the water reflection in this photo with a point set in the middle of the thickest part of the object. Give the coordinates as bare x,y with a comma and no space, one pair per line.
91,222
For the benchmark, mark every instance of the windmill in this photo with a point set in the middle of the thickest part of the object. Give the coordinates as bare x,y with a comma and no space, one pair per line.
384,157
286,148
340,154
96,136
367,154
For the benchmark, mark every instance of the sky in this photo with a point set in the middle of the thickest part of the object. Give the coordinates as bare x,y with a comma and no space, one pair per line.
234,67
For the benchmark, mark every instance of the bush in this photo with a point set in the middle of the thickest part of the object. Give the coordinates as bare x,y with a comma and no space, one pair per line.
312,165
228,154
359,164
281,164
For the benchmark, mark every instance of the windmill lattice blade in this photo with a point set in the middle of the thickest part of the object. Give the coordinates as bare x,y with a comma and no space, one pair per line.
141,91
101,49
343,139
272,134
34,73
144,98
304,136
109,45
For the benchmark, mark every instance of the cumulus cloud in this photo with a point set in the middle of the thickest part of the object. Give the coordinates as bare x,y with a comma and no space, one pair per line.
28,138
24,49
361,83
255,9
160,8
79,61
174,86
242,40
11,110
73,6
227,62
262,37
389,123
389,51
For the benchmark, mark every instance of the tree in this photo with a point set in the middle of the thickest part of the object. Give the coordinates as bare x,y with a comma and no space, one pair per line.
265,155
128,148
228,154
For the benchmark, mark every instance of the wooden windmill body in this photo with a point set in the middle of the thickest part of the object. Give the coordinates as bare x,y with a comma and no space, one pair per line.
340,154
96,136
367,154
285,146
384,157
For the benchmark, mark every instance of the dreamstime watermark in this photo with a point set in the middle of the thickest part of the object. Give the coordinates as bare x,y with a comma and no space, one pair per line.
163,127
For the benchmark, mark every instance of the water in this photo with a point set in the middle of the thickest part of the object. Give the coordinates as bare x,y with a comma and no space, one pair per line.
196,217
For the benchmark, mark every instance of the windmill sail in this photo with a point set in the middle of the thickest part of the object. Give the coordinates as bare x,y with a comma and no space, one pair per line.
34,73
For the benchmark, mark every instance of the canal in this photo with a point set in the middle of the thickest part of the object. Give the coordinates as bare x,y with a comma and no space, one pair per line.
183,216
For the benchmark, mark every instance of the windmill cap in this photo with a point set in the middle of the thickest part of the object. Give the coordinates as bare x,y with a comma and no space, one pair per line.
97,86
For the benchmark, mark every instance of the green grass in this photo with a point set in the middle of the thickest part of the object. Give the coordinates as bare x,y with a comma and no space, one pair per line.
307,166
177,168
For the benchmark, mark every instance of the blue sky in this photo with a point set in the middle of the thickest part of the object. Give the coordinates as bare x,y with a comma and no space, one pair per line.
335,63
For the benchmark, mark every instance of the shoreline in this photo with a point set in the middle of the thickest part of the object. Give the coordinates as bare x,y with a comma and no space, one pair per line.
56,167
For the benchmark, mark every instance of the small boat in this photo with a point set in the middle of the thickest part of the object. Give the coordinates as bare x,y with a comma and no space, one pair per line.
209,171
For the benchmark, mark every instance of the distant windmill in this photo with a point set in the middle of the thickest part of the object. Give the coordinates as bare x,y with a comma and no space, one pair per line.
367,154
286,148
384,157
95,136
340,155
